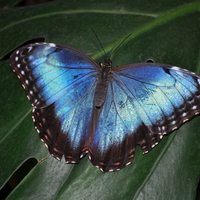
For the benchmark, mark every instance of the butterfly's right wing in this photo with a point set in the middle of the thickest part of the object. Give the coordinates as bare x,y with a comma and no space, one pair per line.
144,102
60,83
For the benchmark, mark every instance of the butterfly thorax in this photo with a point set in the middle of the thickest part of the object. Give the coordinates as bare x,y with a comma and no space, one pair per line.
102,85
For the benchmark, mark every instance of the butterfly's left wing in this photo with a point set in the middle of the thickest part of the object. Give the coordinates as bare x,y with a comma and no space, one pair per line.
144,102
60,83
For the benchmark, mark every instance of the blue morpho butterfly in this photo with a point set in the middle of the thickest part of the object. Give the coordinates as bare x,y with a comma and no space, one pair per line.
81,107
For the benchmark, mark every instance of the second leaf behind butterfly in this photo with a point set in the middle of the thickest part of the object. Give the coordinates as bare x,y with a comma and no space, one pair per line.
81,107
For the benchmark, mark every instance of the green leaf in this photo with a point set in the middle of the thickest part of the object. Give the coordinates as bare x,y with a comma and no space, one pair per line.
165,31
8,3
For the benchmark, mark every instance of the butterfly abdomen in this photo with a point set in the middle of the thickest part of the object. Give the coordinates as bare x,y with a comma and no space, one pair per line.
102,86
100,94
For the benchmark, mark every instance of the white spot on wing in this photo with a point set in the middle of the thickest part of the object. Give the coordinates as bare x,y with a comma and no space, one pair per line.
184,114
56,157
185,120
174,128
173,122
194,107
128,163
163,128
30,48
175,68
100,168
81,156
52,45
153,145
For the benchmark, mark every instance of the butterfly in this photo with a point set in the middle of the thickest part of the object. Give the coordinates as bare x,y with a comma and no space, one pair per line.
80,107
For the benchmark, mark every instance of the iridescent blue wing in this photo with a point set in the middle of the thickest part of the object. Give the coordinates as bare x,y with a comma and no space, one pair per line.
60,83
144,102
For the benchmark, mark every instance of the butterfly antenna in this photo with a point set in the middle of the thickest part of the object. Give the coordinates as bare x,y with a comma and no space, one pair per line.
120,44
99,42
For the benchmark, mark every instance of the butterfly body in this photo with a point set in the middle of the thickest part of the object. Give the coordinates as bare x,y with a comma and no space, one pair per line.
81,107
103,81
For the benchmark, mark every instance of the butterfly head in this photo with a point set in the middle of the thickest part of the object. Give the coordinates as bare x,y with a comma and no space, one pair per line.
105,68
108,62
